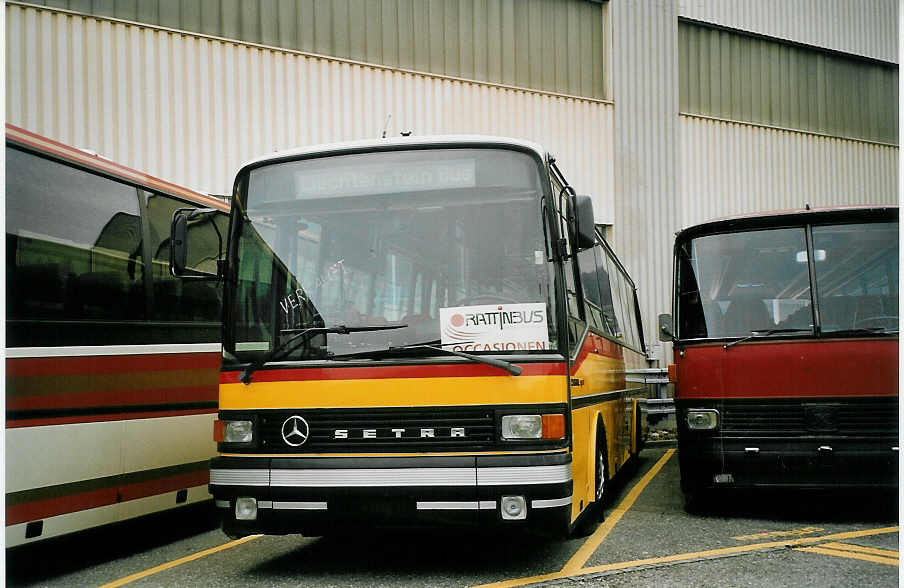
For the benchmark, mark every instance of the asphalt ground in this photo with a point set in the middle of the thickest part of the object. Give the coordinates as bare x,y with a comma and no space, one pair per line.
745,539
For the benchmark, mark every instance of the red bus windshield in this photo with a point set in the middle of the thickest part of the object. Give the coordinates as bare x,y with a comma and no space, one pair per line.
763,282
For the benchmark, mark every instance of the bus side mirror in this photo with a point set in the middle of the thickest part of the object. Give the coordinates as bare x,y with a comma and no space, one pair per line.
585,231
182,242
666,330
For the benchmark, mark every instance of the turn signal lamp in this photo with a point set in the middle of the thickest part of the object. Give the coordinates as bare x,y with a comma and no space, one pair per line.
553,426
219,431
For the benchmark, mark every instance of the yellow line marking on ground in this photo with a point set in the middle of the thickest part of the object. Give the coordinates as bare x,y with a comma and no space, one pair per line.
892,553
776,534
592,543
179,562
851,555
590,546
698,555
736,550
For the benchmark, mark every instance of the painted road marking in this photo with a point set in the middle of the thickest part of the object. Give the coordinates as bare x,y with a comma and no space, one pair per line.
883,556
590,546
580,557
698,556
776,534
179,562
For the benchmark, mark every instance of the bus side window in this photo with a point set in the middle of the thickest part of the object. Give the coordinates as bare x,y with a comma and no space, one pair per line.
73,254
590,283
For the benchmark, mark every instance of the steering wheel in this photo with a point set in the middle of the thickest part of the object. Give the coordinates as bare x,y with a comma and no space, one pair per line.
881,320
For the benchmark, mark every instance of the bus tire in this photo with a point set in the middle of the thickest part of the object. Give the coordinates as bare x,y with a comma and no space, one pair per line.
600,473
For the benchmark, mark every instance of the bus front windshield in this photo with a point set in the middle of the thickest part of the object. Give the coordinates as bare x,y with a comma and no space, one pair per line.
758,283
430,246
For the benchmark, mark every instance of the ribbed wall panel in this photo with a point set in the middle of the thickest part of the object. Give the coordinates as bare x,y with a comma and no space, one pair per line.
645,78
191,109
739,77
862,27
551,45
730,168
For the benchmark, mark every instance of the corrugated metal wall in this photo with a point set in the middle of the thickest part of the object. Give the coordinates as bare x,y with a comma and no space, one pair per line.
645,81
730,168
192,109
852,26
739,77
552,45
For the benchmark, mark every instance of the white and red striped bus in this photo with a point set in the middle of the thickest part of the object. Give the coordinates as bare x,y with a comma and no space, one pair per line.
111,363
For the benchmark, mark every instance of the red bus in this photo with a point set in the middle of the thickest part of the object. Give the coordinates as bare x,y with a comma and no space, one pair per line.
786,350
111,363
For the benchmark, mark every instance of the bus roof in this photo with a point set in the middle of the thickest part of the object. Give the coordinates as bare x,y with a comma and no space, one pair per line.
779,218
25,138
396,143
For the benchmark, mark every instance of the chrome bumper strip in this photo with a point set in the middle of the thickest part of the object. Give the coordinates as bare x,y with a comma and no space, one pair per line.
551,503
464,505
393,477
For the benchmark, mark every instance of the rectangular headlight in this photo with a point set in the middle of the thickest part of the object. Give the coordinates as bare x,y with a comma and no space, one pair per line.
522,426
238,432
702,419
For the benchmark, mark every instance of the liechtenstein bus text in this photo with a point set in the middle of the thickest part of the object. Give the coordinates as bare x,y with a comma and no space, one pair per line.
420,331
787,350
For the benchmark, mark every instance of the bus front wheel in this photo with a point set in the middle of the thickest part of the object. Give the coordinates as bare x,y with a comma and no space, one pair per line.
601,473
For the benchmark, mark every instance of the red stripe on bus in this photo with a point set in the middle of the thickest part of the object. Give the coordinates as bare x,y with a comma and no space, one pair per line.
596,345
383,373
786,369
51,507
112,398
110,364
105,417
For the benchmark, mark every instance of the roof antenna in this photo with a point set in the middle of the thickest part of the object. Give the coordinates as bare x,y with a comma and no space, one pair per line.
806,206
386,125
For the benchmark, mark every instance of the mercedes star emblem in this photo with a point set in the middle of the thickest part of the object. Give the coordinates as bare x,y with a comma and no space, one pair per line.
295,431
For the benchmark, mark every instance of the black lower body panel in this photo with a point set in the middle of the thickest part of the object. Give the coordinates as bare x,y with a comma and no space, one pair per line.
315,496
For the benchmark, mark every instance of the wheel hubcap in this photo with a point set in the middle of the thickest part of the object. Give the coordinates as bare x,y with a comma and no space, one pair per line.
600,479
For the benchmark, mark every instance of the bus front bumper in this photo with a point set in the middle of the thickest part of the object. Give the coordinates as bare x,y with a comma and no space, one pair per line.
314,495
792,463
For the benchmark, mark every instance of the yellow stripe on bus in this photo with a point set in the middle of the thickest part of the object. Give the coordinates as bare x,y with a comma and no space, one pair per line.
392,392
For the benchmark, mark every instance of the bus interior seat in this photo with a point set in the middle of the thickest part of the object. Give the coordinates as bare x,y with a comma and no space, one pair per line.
746,313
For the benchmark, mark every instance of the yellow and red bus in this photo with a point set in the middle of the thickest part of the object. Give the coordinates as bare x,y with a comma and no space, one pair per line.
420,330
111,362
786,350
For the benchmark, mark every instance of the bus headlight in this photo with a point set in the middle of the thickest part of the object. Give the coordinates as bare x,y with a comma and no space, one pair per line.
233,431
702,419
522,426
533,426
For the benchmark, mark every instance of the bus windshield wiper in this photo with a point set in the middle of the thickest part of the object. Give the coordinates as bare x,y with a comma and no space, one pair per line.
764,333
438,346
302,335
862,331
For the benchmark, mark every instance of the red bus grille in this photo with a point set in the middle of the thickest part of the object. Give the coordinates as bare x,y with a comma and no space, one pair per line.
861,417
